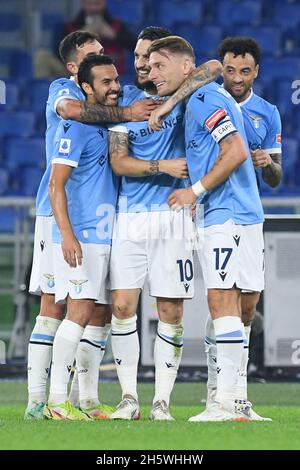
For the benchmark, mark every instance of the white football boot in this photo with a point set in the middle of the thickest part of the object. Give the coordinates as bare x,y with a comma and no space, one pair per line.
160,412
128,409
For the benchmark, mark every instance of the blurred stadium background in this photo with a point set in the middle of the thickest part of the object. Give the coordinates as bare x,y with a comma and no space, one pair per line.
29,25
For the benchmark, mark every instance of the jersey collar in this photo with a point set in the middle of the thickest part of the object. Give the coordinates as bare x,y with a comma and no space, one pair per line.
247,99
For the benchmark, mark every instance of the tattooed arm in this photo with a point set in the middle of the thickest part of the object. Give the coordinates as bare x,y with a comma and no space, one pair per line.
270,164
96,113
232,154
125,165
272,173
202,75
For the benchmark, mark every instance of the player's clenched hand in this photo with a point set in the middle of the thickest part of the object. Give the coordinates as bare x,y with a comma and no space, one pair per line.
141,110
176,168
260,158
158,115
181,198
72,251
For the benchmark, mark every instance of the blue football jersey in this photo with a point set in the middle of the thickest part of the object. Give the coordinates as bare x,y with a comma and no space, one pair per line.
92,187
59,89
211,115
150,193
262,126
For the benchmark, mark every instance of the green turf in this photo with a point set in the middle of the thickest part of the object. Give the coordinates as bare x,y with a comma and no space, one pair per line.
279,401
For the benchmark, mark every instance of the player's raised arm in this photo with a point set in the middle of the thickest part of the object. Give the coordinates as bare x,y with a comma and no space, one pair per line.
199,77
83,111
126,165
57,193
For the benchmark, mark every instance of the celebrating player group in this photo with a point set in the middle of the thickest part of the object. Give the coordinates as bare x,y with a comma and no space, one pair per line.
138,180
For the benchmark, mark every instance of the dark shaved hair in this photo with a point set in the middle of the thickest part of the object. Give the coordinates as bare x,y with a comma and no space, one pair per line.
69,45
173,44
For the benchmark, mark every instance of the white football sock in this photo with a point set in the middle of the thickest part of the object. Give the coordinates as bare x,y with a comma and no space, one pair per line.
229,341
167,357
65,346
89,355
241,389
126,350
40,355
211,357
74,390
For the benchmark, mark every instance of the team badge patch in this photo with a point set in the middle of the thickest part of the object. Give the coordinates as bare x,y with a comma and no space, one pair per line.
65,91
64,147
78,284
256,120
278,138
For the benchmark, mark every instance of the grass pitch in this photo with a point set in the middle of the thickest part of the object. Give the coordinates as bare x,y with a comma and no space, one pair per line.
278,401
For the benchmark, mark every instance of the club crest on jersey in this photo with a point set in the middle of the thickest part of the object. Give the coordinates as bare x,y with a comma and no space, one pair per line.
78,284
50,278
256,120
64,147
278,138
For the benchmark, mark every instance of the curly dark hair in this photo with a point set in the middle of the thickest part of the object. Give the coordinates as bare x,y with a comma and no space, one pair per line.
240,45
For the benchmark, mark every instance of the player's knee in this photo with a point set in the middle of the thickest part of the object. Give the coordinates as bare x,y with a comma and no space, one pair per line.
248,314
50,309
123,308
170,314
215,308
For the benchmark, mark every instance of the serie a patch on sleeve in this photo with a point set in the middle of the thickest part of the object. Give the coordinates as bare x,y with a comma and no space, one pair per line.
219,125
64,147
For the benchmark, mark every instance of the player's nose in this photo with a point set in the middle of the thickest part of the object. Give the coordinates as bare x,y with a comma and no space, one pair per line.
152,75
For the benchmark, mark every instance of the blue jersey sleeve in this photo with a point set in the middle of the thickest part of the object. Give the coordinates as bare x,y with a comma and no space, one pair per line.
59,89
210,111
272,142
69,143
130,94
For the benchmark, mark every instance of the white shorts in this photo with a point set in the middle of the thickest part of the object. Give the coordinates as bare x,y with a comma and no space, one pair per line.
88,281
158,244
42,273
233,255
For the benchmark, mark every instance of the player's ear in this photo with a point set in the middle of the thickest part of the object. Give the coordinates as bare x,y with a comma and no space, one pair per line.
87,88
256,70
72,68
188,65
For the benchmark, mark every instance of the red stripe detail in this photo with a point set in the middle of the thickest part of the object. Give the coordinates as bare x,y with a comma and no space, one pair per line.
214,118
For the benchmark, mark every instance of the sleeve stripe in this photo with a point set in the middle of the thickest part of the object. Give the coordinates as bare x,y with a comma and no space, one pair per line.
65,161
118,128
275,150
63,97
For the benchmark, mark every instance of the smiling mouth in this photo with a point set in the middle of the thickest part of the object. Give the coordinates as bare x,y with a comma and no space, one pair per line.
159,84
143,73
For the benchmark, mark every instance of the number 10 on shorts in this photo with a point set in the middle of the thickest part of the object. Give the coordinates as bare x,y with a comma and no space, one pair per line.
186,272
